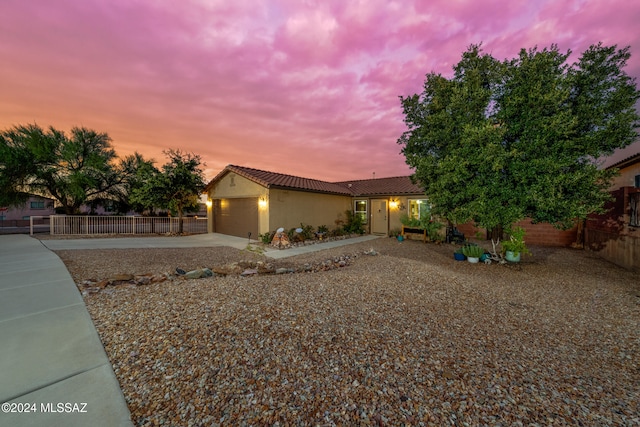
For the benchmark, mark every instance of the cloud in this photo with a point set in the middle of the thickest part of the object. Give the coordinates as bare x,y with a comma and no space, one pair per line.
304,87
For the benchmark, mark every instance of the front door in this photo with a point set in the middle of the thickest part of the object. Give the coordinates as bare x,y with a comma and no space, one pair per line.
379,222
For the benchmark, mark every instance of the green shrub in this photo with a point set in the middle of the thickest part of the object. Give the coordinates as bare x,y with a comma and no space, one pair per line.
516,243
267,237
433,230
307,232
353,224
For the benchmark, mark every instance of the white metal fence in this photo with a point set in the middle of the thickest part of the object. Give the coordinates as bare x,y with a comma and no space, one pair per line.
91,225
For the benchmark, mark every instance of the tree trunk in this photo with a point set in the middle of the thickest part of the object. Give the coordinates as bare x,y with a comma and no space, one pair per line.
495,233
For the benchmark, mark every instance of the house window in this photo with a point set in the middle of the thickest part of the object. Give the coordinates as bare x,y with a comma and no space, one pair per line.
419,209
37,205
360,210
637,181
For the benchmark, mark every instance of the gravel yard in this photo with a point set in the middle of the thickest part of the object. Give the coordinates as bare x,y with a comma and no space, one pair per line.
405,337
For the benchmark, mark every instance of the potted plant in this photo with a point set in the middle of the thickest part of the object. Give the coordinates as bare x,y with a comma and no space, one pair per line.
458,255
473,253
515,246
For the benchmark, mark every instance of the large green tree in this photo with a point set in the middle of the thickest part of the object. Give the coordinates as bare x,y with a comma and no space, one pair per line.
73,169
504,140
177,186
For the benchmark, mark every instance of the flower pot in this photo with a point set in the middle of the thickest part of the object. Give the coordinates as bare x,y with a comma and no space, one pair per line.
473,260
400,237
458,257
484,257
512,256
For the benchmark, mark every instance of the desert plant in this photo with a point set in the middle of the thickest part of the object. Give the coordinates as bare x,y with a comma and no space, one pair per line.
267,237
307,231
323,229
472,251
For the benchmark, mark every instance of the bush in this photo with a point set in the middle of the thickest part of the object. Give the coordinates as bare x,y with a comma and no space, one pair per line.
307,232
267,237
353,224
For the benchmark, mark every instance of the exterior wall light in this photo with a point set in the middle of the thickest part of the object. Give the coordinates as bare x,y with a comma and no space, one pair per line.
262,203
209,203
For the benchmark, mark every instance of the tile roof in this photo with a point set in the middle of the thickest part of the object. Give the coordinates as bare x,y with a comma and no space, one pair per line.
627,161
366,187
393,186
280,180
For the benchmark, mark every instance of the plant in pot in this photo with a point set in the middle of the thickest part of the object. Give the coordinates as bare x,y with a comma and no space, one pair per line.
515,247
458,255
473,253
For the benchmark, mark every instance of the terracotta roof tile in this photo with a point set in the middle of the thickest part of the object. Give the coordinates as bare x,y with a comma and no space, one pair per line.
273,179
392,186
366,187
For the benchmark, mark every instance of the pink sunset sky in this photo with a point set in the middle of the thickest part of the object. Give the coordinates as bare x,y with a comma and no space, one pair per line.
307,88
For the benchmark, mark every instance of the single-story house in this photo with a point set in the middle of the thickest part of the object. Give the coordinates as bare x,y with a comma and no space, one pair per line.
244,200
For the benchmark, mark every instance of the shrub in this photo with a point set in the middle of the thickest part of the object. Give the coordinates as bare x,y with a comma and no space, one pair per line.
267,237
516,243
307,232
353,224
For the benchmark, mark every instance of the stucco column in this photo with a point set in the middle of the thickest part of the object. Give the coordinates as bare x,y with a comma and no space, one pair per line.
209,215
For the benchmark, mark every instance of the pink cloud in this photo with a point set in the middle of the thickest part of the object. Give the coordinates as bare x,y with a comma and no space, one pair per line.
297,87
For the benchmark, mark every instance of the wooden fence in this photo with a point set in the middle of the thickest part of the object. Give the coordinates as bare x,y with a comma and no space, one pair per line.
105,224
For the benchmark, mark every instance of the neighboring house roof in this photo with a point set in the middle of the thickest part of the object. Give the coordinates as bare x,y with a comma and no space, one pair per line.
626,162
366,187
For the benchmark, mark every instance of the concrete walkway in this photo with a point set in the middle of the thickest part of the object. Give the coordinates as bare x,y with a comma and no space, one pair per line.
51,357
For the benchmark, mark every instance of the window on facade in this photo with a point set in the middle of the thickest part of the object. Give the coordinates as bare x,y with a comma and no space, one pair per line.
419,209
37,205
361,210
634,210
637,181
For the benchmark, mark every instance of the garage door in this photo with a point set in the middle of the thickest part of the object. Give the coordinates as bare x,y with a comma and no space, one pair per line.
236,217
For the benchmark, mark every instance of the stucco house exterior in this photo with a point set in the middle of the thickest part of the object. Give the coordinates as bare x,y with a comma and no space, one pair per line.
244,200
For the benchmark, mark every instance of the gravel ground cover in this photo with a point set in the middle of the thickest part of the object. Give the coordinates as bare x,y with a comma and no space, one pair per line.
405,337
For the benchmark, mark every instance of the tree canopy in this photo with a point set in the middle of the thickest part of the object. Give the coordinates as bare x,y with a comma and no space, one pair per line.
501,141
177,186
73,169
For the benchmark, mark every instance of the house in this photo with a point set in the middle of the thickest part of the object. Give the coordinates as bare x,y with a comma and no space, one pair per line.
615,235
245,201
35,206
